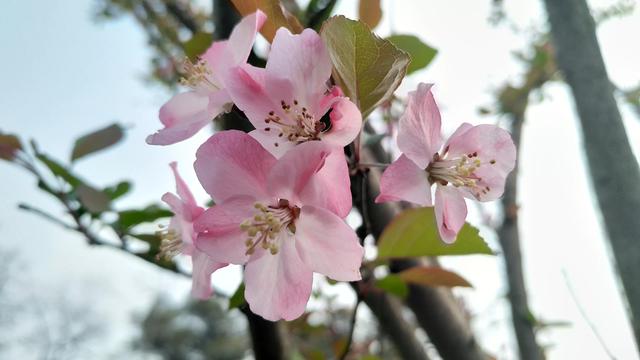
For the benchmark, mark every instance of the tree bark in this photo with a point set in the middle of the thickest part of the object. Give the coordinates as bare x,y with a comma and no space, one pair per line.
613,167
389,316
510,242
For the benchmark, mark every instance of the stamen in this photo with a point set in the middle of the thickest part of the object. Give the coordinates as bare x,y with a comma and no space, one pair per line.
459,172
197,76
170,244
296,125
265,226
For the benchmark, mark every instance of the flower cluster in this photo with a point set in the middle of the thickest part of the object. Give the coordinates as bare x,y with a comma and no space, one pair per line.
282,191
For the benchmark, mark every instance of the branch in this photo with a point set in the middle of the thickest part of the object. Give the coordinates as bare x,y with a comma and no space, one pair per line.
388,312
613,167
266,337
352,327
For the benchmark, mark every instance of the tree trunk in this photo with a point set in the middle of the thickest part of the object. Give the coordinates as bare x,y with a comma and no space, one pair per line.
614,169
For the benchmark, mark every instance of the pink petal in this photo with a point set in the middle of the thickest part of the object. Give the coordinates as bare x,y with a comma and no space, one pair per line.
404,180
451,212
291,174
278,286
218,228
268,141
419,129
496,151
246,87
189,202
233,163
330,188
182,221
304,60
235,50
346,122
328,245
185,114
203,267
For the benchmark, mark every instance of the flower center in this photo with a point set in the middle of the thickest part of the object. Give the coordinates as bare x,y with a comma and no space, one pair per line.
198,76
267,223
296,123
170,243
458,172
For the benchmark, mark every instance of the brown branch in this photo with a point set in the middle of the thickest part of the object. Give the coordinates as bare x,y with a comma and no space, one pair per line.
613,166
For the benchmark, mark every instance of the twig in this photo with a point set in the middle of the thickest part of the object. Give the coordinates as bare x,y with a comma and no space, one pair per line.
47,216
352,327
583,313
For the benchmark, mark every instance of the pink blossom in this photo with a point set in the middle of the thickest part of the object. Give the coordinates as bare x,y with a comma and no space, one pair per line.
179,236
289,102
279,217
186,113
473,163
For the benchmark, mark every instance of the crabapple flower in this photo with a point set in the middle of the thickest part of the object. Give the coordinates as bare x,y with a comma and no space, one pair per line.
473,163
186,113
279,217
289,102
178,237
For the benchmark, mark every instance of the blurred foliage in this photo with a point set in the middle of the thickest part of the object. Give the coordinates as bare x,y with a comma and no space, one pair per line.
90,210
193,330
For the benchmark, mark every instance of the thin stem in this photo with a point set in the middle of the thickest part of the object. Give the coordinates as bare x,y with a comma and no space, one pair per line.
352,327
47,216
583,313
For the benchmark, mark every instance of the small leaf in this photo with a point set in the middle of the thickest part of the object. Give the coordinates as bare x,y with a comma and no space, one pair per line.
197,45
93,200
432,276
96,141
9,145
421,53
393,284
237,299
414,233
367,68
118,190
277,16
370,12
129,218
59,170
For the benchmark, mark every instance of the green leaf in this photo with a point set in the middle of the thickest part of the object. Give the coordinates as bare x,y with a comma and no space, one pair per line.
96,141
237,299
118,190
367,68
421,53
93,200
59,170
414,233
129,218
432,276
197,45
393,284
9,145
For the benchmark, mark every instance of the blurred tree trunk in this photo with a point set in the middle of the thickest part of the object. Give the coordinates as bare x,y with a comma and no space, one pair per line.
523,323
613,167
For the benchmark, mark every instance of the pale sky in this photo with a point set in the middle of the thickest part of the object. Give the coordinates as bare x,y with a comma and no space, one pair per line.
65,75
